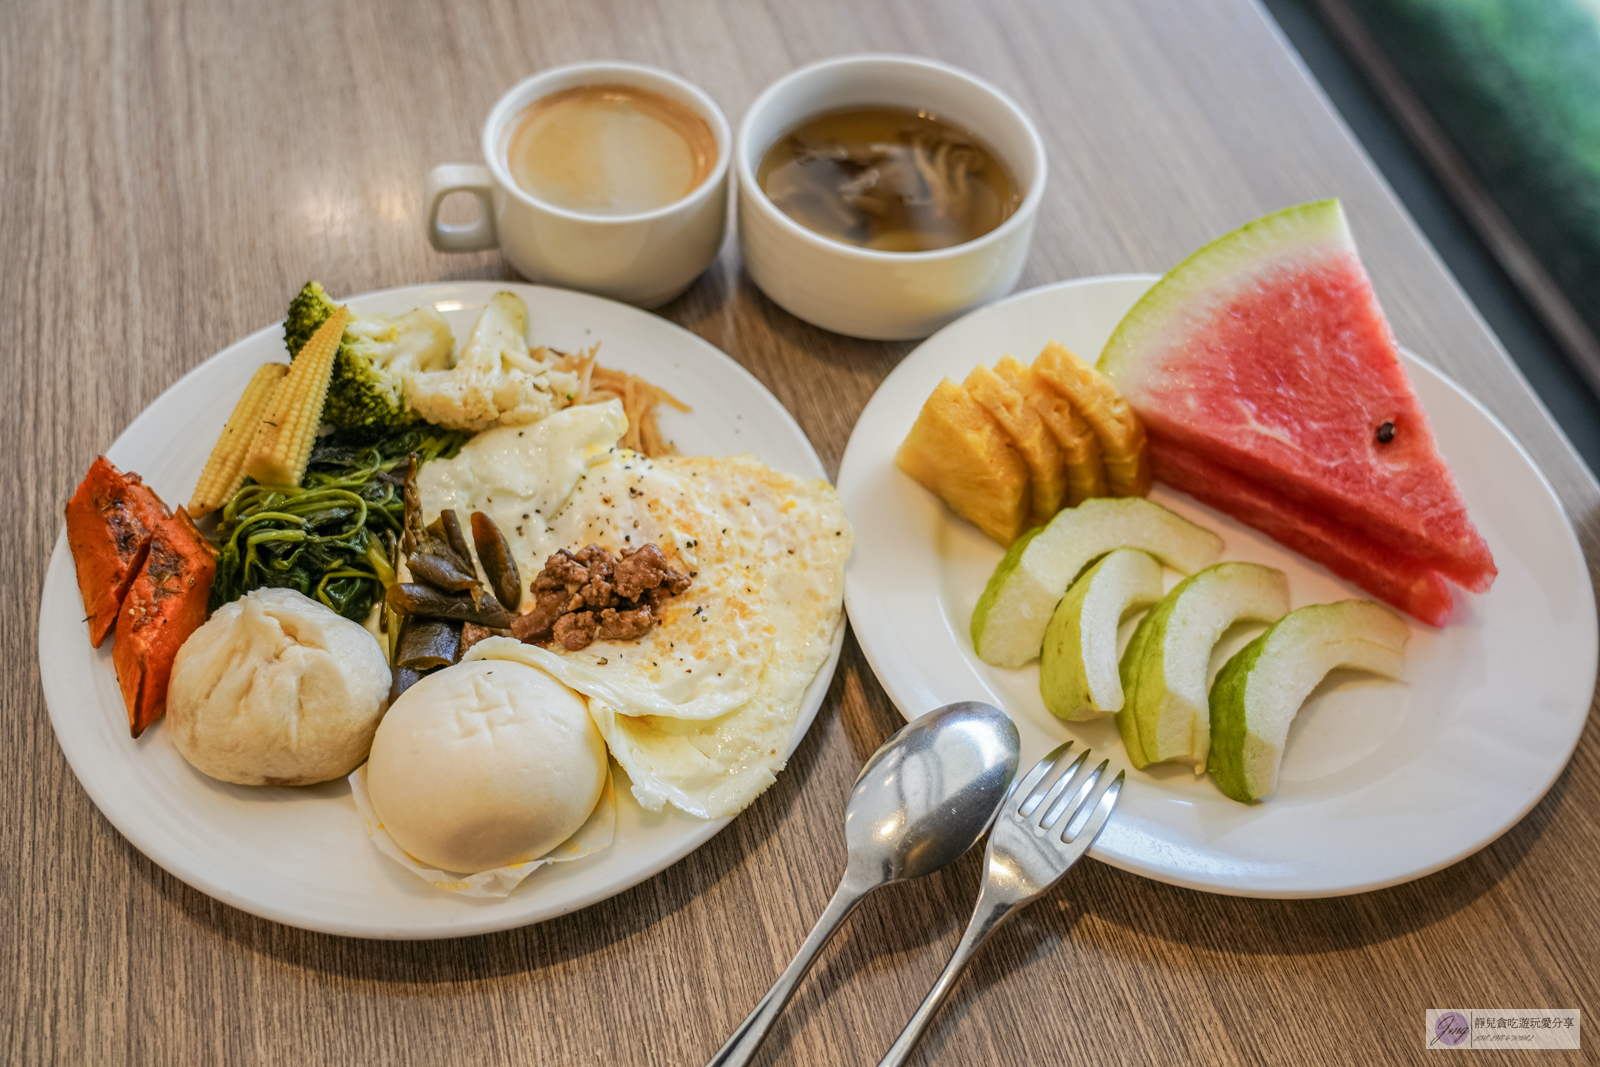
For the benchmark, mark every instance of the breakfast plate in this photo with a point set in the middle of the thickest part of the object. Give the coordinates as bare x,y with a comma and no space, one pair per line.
1381,782
301,856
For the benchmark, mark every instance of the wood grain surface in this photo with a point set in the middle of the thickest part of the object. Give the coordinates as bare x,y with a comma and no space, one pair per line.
171,172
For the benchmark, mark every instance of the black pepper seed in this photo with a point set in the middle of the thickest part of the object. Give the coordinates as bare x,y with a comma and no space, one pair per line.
1386,433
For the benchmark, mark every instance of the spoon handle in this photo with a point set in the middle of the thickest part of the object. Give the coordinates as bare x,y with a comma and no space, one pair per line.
986,917
742,1045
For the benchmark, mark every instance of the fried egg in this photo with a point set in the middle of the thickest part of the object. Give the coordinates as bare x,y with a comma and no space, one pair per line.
699,711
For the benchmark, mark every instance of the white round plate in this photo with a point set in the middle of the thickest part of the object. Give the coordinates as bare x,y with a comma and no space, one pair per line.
1381,782
302,856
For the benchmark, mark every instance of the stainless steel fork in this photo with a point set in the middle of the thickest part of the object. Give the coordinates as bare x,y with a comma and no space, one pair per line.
1046,824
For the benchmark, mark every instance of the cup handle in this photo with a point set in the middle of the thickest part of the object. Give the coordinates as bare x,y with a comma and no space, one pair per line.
450,178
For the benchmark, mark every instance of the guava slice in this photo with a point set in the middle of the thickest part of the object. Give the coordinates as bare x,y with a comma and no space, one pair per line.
1078,662
1163,670
1009,621
1258,692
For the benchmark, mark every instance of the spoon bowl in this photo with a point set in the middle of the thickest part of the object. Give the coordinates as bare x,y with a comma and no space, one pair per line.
929,792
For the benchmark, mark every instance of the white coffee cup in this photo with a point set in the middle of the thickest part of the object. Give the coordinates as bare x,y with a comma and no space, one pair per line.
859,291
644,259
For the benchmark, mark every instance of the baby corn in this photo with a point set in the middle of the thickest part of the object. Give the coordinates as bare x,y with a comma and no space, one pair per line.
283,441
225,469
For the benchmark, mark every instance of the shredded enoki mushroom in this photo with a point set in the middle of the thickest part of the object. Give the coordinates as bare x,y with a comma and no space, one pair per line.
639,399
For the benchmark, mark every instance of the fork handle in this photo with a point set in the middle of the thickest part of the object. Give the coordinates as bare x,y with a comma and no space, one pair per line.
986,918
742,1045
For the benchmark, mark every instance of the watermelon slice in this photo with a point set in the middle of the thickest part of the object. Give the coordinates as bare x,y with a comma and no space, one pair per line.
1401,580
1264,364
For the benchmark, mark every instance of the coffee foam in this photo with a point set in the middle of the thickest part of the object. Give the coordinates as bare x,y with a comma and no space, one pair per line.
609,150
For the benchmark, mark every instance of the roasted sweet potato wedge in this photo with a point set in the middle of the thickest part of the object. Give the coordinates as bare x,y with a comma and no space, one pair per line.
165,604
109,522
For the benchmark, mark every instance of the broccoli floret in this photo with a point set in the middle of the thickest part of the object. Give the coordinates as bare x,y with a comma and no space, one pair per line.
308,310
367,390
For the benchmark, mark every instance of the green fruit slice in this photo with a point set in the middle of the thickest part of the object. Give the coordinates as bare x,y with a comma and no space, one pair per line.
1008,623
1078,663
1164,668
1258,692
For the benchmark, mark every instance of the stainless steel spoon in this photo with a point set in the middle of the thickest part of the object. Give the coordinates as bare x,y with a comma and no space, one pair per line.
921,801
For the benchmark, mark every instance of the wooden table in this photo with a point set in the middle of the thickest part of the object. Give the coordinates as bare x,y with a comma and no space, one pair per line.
172,173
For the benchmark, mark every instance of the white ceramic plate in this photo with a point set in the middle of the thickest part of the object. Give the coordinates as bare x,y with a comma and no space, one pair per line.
1381,782
302,856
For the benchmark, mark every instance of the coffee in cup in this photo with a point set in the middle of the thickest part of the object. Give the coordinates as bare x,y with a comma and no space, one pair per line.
607,177
609,150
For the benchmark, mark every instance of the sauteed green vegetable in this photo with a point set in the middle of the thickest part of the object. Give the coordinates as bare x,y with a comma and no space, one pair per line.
332,537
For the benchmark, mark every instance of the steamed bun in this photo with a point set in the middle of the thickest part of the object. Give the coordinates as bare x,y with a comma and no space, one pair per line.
277,689
485,764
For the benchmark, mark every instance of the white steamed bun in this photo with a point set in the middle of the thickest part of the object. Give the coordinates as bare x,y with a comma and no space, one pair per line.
277,689
485,764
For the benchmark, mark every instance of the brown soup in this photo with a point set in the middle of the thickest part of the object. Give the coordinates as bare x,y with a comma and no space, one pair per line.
889,179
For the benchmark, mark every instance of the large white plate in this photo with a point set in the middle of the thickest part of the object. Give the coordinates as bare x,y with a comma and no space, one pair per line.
1381,782
301,856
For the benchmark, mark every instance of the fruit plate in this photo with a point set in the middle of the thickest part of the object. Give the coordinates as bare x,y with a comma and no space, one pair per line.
302,856
1382,782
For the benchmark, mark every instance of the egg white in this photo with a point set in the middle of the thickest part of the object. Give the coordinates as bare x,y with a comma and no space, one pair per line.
699,711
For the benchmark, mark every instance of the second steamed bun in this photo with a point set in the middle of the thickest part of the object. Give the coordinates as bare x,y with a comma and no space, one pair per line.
485,764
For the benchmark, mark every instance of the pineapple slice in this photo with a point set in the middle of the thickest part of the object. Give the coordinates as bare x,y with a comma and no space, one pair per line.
1047,474
1121,434
958,452
1080,449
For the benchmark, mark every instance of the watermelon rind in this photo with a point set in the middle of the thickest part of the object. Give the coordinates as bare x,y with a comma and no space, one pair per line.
1309,231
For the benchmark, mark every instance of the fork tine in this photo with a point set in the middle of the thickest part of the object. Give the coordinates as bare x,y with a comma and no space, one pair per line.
1069,805
1092,821
1028,788
1051,804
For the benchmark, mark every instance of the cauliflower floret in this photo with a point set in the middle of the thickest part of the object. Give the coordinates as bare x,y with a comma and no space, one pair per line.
495,381
419,340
